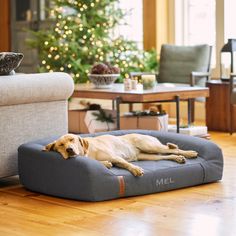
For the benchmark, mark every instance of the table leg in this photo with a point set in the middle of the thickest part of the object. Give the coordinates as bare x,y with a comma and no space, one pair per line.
130,107
189,111
113,104
118,102
177,100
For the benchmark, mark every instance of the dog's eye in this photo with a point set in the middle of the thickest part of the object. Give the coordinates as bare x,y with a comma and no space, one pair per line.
71,140
61,145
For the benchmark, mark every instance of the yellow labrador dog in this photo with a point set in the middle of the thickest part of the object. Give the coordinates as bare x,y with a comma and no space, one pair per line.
119,150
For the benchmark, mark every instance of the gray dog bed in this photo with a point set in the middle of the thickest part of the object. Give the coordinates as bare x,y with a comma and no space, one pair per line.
86,179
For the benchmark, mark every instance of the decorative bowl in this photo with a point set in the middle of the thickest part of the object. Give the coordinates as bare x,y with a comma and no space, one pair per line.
103,80
9,61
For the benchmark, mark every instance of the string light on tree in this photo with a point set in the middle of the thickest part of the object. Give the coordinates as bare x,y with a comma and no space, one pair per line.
57,57
81,36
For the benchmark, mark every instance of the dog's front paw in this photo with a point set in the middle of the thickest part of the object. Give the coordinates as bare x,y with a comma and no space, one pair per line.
190,154
137,171
108,164
180,159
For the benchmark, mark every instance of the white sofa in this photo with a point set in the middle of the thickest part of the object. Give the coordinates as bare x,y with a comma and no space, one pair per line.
32,106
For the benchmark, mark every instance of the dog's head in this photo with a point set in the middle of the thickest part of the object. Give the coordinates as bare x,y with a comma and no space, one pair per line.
69,145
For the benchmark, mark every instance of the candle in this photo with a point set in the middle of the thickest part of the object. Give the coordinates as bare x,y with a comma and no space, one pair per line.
127,84
134,83
139,87
149,81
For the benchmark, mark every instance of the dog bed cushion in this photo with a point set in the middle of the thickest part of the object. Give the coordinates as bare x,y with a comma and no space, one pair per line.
86,179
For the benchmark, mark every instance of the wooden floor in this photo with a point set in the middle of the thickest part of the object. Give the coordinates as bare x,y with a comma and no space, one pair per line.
203,210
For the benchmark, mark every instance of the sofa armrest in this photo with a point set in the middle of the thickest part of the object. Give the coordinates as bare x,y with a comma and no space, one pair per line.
32,88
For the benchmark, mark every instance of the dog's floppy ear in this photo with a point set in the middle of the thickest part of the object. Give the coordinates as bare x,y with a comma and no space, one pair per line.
85,144
49,147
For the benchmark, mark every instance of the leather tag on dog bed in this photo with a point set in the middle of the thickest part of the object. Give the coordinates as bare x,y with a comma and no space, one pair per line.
121,185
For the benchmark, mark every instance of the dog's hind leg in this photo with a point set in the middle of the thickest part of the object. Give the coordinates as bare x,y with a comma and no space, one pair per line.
152,157
186,153
153,146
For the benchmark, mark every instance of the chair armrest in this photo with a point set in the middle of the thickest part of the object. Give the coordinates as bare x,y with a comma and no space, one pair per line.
33,88
195,74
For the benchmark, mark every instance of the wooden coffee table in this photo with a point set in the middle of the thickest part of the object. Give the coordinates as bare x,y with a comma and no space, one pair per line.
161,93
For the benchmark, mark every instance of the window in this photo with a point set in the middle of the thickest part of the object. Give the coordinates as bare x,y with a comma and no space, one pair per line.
230,18
132,26
195,23
201,23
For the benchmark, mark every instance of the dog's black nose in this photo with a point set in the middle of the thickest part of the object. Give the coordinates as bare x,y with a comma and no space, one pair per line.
69,150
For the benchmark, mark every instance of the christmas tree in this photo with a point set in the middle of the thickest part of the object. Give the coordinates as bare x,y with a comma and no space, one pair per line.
81,36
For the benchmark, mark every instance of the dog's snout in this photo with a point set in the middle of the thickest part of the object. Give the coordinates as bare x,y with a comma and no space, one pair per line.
69,150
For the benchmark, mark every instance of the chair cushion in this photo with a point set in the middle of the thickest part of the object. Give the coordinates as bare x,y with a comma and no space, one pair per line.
177,63
87,179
